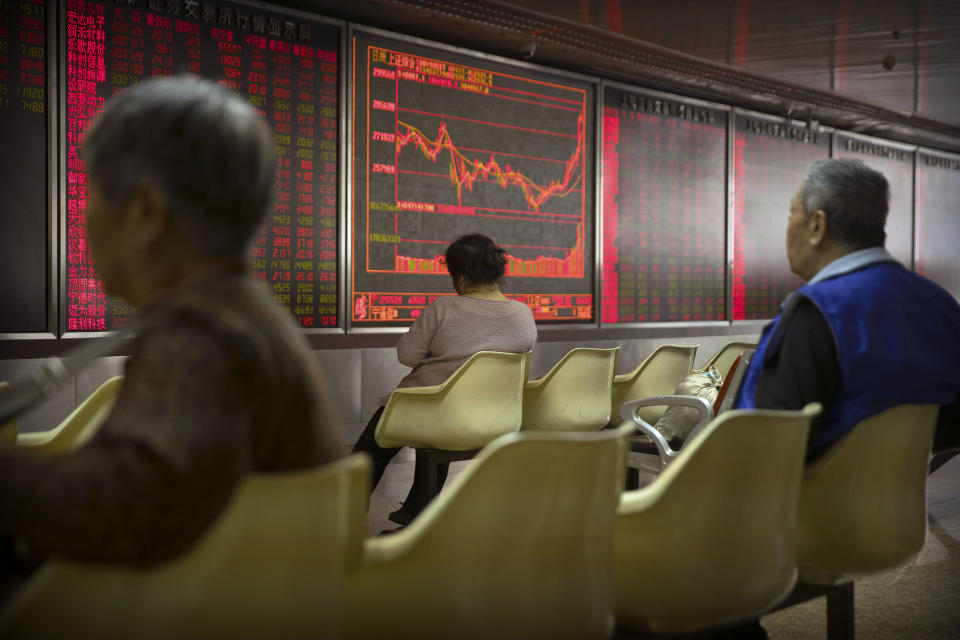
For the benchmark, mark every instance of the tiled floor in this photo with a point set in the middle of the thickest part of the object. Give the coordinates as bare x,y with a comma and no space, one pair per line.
919,601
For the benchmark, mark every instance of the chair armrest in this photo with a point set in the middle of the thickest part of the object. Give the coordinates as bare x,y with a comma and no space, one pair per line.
34,439
628,412
419,391
533,384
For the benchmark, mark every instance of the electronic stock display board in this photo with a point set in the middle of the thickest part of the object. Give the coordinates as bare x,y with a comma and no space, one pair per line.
938,219
285,65
445,144
664,209
23,167
895,162
770,157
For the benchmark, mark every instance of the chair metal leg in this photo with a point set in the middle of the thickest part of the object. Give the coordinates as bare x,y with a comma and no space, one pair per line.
431,472
633,479
840,612
426,480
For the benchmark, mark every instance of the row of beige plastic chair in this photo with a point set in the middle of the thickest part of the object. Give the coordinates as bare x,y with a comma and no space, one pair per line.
520,546
862,509
688,510
489,396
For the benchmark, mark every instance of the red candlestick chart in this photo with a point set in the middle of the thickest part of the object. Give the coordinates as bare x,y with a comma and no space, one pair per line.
443,148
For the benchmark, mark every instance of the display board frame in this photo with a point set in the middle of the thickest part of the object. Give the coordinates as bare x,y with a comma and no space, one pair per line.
691,102
895,146
591,190
953,159
59,150
50,208
756,324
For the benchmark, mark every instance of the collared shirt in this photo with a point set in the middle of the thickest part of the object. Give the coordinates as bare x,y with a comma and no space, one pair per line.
853,261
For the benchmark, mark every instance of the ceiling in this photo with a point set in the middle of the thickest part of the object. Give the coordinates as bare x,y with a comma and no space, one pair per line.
884,67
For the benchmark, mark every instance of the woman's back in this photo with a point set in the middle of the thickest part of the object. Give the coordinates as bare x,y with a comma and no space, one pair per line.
453,328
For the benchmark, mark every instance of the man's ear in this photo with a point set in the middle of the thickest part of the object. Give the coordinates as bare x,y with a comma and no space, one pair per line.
817,226
148,214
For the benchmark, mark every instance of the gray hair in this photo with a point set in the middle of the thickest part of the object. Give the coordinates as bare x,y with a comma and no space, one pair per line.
204,148
854,197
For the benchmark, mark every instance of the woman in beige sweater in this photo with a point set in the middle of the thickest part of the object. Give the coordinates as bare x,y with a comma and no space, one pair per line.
449,331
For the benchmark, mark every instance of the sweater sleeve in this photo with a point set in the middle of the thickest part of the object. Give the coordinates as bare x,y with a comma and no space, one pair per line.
159,471
414,346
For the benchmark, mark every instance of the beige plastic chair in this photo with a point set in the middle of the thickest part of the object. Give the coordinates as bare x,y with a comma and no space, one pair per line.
477,403
78,427
724,358
711,541
658,375
450,421
862,509
518,546
653,453
863,502
575,393
272,566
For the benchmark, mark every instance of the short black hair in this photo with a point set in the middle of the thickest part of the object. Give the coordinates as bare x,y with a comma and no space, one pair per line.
476,258
854,197
204,148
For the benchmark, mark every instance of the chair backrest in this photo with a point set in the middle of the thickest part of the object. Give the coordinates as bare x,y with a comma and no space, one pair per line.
712,539
78,427
574,395
518,546
723,359
272,566
658,375
479,402
863,502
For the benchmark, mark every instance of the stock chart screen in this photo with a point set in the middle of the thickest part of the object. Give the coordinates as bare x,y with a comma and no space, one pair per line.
23,168
283,65
769,160
446,144
938,219
896,163
664,209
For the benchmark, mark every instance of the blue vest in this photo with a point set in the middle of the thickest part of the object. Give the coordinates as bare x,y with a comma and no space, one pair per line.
897,337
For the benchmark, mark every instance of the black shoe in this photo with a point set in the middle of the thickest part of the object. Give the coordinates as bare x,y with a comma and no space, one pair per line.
402,516
387,532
